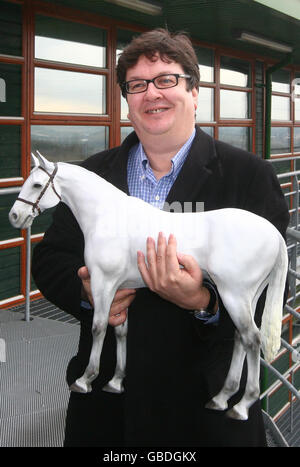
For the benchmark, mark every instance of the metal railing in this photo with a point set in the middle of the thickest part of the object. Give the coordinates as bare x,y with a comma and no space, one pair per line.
293,242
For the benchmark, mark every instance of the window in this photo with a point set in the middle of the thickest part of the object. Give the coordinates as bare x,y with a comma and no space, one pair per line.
235,72
72,143
285,115
62,91
71,107
280,140
80,87
63,41
11,29
11,141
297,139
240,137
206,64
234,105
205,109
10,90
280,108
10,149
281,81
235,98
297,109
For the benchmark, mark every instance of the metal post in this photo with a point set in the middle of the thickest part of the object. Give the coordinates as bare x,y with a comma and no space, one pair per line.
291,406
28,274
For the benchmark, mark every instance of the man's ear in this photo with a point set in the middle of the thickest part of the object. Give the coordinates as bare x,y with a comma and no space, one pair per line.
195,94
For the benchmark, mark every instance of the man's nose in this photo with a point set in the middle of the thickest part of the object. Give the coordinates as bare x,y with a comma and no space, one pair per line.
152,91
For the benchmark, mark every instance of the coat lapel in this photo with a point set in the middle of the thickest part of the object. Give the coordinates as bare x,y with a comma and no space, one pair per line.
196,170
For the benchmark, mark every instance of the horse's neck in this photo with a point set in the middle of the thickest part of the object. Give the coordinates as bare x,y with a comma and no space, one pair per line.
85,193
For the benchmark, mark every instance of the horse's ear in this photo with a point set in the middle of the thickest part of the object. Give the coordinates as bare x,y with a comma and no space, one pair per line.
34,160
43,162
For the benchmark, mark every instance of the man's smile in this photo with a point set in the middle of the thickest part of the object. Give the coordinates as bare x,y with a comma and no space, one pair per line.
156,110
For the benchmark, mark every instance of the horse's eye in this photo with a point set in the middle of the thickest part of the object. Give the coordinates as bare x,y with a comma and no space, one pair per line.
37,185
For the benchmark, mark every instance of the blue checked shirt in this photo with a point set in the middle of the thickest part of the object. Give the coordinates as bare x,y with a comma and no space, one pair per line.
141,180
143,184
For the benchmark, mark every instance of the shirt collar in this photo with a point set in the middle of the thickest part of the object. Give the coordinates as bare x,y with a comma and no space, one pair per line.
177,160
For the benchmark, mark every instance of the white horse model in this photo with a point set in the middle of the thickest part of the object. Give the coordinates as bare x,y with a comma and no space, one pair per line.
242,252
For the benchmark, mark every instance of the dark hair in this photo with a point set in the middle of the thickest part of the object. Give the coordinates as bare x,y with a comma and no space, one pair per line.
168,46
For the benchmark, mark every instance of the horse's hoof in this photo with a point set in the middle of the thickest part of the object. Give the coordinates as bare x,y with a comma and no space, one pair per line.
213,405
114,387
80,386
236,414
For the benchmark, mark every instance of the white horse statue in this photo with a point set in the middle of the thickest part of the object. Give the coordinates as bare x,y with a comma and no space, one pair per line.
242,252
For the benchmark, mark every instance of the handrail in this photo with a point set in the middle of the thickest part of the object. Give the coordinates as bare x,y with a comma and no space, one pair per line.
281,378
295,234
288,174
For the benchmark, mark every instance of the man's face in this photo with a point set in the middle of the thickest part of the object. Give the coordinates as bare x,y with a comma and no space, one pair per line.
161,112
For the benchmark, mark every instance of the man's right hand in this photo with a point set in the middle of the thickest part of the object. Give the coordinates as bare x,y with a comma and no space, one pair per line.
122,299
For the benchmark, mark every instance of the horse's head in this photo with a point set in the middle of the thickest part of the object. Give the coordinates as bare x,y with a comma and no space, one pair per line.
37,194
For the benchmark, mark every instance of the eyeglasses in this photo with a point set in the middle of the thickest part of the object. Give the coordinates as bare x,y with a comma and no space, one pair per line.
135,86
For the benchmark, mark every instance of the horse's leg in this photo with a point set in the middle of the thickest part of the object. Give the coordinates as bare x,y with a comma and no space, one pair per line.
232,382
116,383
240,310
102,302
251,342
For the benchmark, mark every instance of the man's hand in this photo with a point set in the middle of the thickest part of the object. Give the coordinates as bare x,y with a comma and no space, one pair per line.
121,301
163,274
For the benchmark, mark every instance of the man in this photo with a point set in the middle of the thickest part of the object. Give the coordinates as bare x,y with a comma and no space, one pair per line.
177,359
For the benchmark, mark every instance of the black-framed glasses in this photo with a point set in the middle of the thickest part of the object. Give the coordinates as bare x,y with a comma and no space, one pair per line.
135,86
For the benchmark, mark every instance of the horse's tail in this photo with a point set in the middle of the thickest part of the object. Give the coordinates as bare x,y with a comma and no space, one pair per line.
272,316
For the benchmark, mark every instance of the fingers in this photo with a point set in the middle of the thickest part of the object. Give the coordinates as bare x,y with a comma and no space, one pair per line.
83,273
122,299
187,261
156,261
162,263
124,296
172,264
162,272
161,255
147,277
86,292
118,310
151,257
116,320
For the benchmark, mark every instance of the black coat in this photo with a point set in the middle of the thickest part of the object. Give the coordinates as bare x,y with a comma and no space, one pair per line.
175,363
